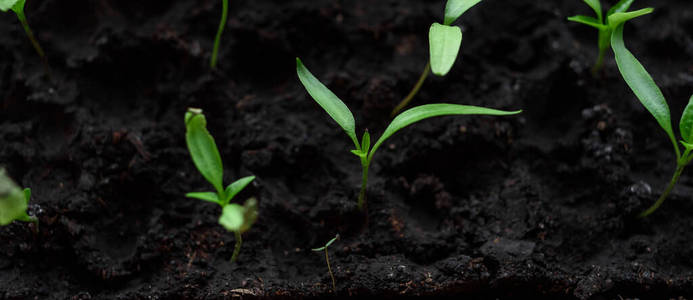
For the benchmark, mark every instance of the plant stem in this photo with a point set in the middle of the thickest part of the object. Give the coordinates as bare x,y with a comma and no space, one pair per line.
600,63
34,42
334,283
679,169
237,248
364,184
222,24
413,92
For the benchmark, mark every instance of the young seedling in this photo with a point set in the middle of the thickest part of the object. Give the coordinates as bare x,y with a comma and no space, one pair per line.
17,6
13,202
646,90
327,259
205,155
220,30
341,114
444,43
602,24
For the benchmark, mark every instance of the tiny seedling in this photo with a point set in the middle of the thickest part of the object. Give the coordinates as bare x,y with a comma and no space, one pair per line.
651,97
13,201
327,259
444,41
17,6
343,116
205,155
220,30
602,23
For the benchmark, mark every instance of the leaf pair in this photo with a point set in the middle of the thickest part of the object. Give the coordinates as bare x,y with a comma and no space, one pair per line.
13,201
445,40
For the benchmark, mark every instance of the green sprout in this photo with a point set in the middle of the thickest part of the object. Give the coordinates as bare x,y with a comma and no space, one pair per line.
343,116
205,155
651,97
17,6
444,43
220,30
13,201
327,259
603,24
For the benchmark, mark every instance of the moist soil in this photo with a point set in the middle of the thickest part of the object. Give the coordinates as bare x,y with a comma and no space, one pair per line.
538,205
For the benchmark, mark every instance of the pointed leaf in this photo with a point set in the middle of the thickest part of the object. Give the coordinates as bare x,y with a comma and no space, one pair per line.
621,17
236,187
203,149
444,42
686,123
419,113
358,153
12,200
326,245
597,7
587,21
366,142
455,8
328,101
621,6
205,196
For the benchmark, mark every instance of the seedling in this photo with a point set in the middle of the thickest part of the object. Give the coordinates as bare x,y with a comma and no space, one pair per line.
444,43
220,30
341,114
327,259
603,24
205,155
17,6
646,90
13,202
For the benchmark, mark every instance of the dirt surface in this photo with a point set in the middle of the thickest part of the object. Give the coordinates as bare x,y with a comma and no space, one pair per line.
540,205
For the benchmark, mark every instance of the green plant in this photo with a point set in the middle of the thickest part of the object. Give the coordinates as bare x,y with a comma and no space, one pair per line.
341,114
13,201
17,6
444,43
651,97
220,30
205,156
602,24
327,259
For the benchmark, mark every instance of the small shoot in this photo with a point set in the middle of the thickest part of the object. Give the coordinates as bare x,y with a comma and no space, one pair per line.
651,97
220,30
444,44
327,259
17,6
14,202
343,116
604,25
205,156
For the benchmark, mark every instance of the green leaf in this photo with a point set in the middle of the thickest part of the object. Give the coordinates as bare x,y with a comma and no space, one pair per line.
205,196
640,82
328,101
366,142
419,113
621,6
621,17
444,42
587,21
249,214
13,202
203,149
597,7
686,123
232,217
27,195
237,186
14,5
326,245
455,8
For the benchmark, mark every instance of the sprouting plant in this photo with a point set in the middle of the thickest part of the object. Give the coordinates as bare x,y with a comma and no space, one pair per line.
220,30
17,6
602,24
327,259
205,155
343,116
13,201
646,90
444,43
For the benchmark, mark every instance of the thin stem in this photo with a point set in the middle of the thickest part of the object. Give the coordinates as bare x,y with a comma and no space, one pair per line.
670,187
364,184
237,248
34,42
600,62
413,92
222,24
334,283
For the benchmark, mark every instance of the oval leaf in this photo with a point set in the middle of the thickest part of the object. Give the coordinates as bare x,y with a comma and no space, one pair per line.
444,42
236,187
203,149
13,203
455,8
419,113
621,6
249,214
686,124
15,5
232,217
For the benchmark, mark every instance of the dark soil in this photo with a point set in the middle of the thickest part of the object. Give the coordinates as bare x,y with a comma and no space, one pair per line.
540,205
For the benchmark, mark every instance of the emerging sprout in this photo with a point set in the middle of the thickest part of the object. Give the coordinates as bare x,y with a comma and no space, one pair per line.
13,201
220,30
17,6
327,259
205,155
645,89
341,114
444,43
603,24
